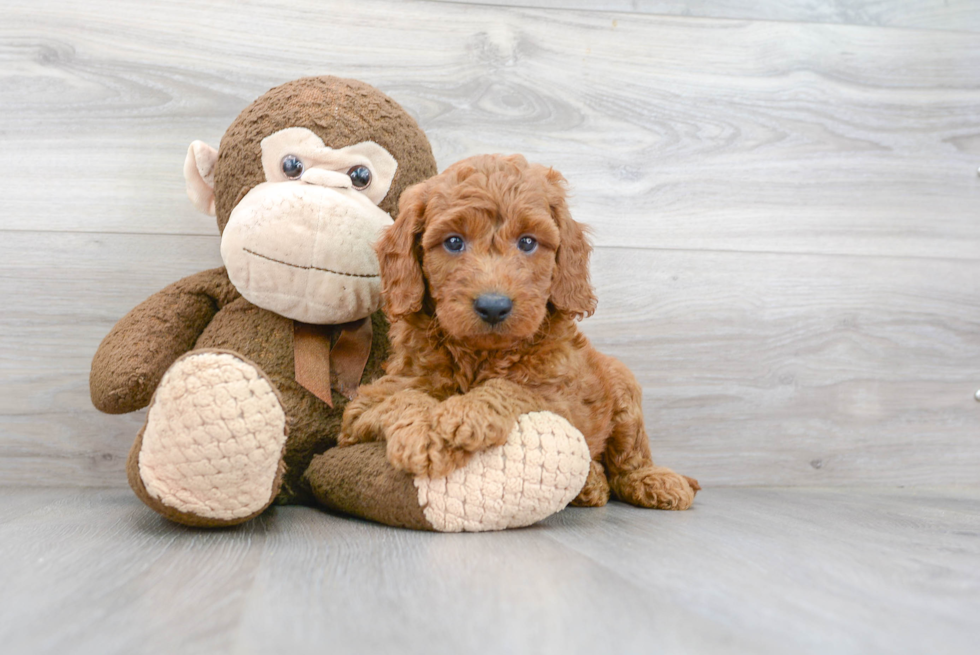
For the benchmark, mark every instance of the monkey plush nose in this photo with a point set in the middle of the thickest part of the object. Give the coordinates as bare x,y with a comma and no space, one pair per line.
493,307
322,177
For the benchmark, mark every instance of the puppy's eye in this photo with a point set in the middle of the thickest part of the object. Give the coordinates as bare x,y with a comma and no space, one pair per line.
360,176
527,244
454,244
291,166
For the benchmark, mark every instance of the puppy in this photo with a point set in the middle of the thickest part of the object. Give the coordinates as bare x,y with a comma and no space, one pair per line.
484,274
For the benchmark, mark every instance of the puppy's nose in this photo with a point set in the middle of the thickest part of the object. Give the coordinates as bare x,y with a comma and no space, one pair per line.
493,307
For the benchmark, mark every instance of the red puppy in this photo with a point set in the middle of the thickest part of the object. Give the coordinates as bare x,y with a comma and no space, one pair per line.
484,274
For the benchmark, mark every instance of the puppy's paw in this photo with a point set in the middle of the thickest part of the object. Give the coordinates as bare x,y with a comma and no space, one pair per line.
655,487
369,415
357,426
413,446
467,425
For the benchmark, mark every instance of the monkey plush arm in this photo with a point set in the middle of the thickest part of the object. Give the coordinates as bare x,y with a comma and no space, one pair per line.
133,357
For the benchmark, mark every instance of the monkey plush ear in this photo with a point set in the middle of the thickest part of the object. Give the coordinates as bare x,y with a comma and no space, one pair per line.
199,175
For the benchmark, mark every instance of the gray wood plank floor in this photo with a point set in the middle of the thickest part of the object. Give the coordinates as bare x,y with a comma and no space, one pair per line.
745,571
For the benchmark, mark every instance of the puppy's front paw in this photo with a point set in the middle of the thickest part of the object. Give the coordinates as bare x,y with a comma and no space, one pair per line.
370,415
655,487
357,426
467,425
413,446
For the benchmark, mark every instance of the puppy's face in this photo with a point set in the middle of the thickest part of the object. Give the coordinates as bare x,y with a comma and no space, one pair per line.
489,265
487,246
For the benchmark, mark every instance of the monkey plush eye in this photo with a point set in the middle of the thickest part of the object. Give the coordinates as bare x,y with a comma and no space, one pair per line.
360,176
454,244
527,244
292,167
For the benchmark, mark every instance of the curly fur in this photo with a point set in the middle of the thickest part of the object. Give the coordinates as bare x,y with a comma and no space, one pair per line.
455,384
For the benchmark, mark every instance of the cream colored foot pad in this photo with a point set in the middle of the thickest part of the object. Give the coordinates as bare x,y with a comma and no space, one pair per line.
213,439
541,468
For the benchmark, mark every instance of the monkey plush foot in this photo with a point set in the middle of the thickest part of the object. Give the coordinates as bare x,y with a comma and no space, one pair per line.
542,467
210,453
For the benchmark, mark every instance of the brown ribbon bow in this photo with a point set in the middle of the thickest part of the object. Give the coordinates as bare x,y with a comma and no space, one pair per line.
320,368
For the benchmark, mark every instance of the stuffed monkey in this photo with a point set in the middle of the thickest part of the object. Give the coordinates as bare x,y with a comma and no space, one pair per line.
246,369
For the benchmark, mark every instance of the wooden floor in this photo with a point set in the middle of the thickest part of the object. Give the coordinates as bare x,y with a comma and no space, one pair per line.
746,571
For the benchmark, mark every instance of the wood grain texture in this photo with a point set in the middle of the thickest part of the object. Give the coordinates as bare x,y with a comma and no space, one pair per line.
957,15
785,212
747,570
756,368
674,133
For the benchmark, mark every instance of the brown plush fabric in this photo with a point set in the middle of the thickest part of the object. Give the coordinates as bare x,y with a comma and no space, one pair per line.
266,339
204,311
340,111
359,480
140,348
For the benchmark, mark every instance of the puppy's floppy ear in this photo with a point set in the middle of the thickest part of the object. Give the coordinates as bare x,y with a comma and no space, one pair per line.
571,290
403,285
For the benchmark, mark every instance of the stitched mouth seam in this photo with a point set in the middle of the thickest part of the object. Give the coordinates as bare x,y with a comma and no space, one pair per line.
305,268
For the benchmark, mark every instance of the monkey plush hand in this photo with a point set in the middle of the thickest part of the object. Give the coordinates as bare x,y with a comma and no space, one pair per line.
246,369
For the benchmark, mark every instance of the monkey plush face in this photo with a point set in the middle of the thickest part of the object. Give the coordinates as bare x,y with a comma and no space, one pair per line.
299,243
302,186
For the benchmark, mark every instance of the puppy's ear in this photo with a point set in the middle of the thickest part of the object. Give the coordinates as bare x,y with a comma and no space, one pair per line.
403,286
571,290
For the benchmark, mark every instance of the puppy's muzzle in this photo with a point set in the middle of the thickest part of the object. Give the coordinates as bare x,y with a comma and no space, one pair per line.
493,308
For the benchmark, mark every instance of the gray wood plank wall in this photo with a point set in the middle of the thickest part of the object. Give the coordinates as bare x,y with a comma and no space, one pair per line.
785,206
960,15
